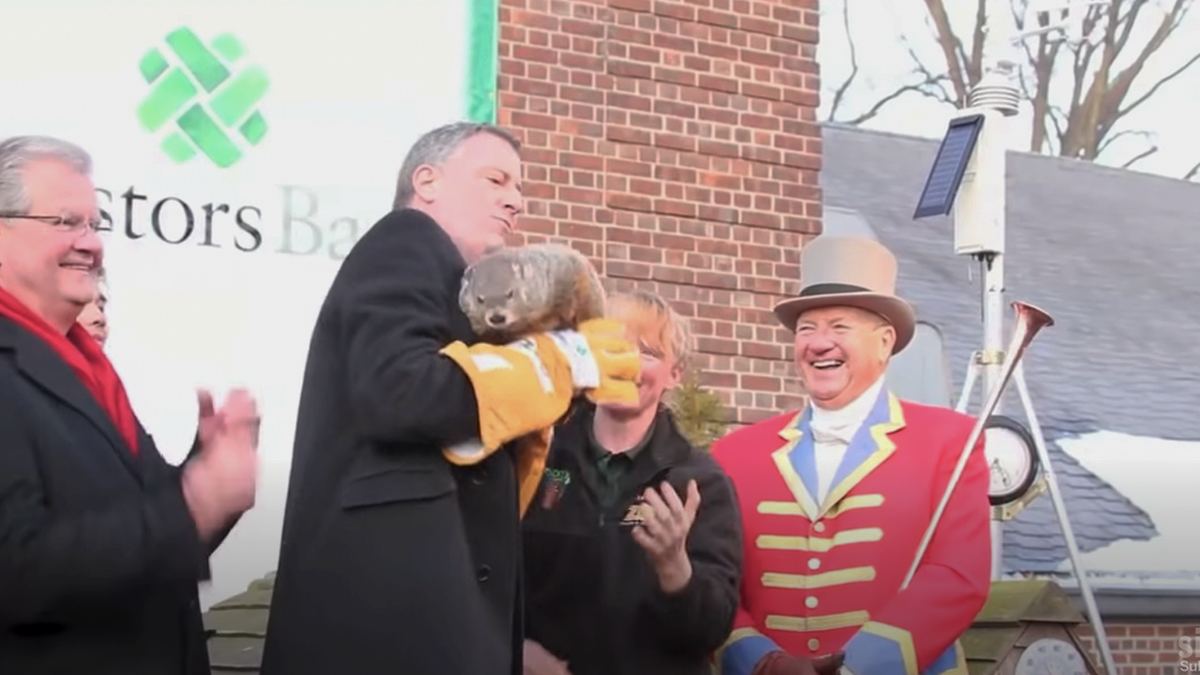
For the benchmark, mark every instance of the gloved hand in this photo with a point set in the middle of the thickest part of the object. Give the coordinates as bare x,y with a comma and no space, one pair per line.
532,451
528,385
604,364
780,663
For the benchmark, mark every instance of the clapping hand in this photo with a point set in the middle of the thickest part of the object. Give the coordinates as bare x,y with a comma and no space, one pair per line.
666,521
538,661
238,415
221,481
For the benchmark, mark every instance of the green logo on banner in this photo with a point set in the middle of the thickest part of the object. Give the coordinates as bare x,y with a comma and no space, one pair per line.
201,99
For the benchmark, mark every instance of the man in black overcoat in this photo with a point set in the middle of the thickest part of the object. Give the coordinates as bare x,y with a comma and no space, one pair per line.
394,559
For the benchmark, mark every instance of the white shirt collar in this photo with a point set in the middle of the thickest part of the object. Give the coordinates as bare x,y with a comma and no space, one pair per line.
846,421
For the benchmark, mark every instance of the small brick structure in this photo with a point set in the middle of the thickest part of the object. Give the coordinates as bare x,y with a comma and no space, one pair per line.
237,627
676,144
1150,648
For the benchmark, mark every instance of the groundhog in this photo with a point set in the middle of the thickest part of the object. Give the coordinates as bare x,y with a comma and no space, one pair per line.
519,291
514,293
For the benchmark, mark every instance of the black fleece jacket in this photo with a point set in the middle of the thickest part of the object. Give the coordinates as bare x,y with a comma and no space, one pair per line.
593,598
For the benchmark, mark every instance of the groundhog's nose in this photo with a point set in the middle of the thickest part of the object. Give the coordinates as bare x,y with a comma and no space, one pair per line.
497,319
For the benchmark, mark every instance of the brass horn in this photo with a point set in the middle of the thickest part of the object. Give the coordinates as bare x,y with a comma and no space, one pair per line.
1030,321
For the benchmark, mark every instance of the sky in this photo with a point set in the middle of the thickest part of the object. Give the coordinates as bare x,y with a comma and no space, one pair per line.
879,31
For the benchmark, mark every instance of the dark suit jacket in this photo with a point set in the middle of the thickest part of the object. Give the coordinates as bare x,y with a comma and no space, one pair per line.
99,558
393,561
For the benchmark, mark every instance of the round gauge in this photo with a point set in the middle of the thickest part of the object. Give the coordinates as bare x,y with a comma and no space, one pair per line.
1011,458
1051,656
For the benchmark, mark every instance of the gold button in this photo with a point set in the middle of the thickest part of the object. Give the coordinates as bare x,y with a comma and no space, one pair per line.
814,644
814,564
819,527
810,602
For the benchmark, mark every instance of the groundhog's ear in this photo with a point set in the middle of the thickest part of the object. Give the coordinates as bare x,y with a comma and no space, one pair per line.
466,283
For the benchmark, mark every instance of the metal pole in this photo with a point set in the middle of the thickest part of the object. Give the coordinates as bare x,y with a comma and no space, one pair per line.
997,45
994,357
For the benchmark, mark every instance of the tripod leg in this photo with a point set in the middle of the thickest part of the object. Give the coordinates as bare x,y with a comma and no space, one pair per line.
968,384
1085,587
964,397
997,526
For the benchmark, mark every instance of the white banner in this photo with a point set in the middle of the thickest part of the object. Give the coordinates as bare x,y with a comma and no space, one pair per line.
241,148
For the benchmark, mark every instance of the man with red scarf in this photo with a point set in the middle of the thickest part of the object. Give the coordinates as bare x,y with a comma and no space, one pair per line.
102,542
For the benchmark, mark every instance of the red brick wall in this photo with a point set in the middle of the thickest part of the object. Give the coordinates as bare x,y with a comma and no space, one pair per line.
1146,649
675,144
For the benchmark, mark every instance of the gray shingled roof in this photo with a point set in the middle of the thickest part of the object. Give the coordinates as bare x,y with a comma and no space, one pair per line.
1109,253
237,628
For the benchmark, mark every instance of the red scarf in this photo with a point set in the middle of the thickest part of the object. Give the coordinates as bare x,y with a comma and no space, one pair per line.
85,357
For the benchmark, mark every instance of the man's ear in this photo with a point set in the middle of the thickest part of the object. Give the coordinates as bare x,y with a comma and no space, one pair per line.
889,340
426,180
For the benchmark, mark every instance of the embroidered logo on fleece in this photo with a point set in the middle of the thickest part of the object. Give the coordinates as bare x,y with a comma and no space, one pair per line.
557,481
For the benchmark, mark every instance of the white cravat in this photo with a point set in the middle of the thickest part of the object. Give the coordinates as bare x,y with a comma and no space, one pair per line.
832,432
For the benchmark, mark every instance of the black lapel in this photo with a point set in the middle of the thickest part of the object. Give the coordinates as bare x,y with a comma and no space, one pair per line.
42,366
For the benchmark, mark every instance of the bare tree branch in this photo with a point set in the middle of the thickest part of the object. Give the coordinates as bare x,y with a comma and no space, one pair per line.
1127,23
936,81
974,65
1080,93
1140,156
1058,119
840,94
952,48
1119,89
930,85
1148,136
1155,87
918,88
1043,72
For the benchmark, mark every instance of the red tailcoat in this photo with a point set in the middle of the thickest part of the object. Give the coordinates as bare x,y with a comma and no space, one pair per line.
824,577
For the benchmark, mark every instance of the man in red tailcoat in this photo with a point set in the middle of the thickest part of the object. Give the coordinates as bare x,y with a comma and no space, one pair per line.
836,498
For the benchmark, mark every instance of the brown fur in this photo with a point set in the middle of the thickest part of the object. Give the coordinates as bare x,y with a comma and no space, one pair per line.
519,291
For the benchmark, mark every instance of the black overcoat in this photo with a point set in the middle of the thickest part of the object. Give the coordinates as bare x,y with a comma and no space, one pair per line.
393,561
99,557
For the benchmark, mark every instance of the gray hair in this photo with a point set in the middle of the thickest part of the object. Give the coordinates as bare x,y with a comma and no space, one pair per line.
435,147
18,152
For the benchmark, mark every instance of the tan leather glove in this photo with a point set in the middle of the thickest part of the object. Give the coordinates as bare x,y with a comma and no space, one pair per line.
527,386
780,663
532,452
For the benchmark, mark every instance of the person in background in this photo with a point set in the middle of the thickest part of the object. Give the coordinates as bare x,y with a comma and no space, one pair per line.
102,542
633,544
394,558
93,317
837,497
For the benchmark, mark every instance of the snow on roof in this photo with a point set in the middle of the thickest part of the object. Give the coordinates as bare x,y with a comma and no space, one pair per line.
1162,477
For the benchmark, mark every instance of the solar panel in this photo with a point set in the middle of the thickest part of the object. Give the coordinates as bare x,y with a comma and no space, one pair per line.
941,187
